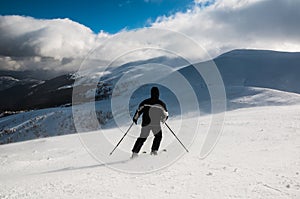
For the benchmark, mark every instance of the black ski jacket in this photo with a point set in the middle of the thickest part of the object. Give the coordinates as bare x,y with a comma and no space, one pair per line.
154,111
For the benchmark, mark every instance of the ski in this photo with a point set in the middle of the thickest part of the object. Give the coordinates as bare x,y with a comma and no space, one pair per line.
145,152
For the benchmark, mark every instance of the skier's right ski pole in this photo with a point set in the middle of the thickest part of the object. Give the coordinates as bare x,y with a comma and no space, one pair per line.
176,137
121,139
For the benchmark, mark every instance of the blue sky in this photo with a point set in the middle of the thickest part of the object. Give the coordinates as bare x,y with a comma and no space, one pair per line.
108,15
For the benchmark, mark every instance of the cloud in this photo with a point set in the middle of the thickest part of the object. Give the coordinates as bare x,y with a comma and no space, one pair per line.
58,38
204,3
231,24
219,26
28,43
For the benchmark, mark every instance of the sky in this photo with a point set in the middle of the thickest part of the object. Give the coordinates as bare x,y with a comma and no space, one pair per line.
107,15
58,35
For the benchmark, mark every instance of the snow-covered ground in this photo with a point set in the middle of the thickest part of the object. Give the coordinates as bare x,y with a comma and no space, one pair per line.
257,156
59,121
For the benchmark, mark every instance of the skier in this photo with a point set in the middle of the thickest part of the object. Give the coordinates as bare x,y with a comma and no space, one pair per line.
154,111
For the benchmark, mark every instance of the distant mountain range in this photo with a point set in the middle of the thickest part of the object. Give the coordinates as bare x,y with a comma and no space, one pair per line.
27,94
27,90
251,78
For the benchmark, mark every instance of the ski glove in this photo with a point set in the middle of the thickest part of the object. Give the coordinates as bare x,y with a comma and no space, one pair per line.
165,119
134,120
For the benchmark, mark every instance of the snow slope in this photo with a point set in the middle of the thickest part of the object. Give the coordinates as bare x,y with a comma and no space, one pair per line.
246,73
257,156
59,121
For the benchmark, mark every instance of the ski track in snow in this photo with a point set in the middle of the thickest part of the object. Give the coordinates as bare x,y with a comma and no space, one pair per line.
257,156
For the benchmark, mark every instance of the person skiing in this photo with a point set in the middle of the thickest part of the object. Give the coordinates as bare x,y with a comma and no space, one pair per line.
154,111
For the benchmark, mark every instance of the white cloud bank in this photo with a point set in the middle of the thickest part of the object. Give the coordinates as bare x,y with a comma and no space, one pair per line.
231,24
60,44
28,43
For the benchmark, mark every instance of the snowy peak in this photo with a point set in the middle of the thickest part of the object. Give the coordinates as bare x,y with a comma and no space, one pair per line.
261,68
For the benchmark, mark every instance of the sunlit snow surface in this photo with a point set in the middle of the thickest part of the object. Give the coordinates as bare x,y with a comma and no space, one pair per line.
257,156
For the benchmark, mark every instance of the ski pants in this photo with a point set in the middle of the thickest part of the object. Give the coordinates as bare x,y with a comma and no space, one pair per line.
156,130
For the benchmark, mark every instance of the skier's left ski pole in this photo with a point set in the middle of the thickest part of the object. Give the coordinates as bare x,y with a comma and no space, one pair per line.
176,137
121,139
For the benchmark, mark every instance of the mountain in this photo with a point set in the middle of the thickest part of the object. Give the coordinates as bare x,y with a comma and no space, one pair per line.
252,78
254,68
261,68
32,74
27,94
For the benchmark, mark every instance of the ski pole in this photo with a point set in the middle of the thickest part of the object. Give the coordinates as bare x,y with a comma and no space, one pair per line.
121,139
176,137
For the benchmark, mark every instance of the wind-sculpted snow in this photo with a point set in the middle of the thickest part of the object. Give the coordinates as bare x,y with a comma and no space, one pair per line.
257,156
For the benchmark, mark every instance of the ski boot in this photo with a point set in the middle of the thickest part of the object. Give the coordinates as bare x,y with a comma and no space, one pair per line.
134,155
